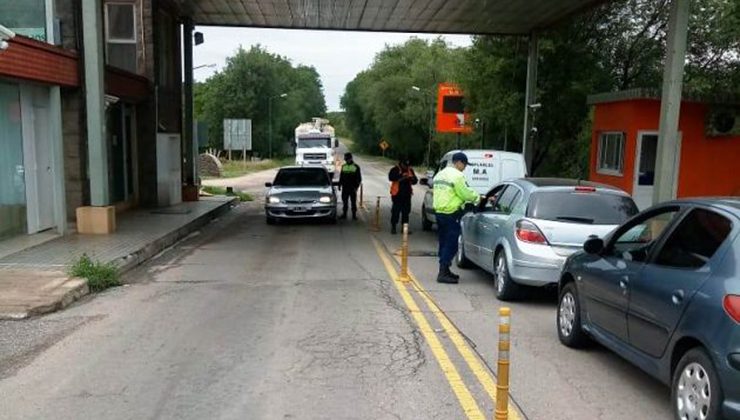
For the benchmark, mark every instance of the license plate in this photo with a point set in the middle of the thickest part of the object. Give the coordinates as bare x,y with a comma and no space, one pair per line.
299,209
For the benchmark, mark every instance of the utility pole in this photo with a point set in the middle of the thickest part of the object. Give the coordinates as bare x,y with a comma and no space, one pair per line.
269,117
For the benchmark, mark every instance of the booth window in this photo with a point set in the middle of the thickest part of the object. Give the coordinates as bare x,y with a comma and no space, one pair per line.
120,35
611,153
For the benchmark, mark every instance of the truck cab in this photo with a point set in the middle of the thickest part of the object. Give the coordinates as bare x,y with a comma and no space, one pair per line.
315,144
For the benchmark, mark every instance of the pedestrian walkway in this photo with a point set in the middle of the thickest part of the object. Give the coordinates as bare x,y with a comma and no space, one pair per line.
34,280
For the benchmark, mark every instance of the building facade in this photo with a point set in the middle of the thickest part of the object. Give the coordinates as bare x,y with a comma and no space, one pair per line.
90,112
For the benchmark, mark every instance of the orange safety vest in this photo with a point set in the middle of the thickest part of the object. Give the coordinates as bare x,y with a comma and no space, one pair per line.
395,185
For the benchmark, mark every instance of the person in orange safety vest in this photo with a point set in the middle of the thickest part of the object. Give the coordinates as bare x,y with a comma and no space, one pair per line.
402,178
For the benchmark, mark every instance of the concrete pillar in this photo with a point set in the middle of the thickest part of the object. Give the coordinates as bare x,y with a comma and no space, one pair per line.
666,165
530,97
189,148
97,150
100,216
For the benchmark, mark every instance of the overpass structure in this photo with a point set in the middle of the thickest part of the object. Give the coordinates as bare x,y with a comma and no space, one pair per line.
501,17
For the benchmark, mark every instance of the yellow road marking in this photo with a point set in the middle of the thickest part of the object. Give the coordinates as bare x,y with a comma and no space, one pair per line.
481,373
464,397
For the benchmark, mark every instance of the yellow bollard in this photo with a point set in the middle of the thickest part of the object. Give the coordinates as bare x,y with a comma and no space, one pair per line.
376,222
404,274
502,387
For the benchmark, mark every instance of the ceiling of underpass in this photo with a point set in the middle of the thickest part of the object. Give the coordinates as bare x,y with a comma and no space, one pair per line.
509,17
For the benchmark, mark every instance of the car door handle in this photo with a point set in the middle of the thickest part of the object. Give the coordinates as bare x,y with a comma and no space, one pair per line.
677,297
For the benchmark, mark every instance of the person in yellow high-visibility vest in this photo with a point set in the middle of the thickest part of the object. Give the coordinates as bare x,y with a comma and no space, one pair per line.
451,194
350,179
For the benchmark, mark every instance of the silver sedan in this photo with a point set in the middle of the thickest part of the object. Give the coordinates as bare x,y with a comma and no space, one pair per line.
529,226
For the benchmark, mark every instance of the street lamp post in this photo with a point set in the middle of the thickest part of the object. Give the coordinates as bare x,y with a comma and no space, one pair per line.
269,117
431,127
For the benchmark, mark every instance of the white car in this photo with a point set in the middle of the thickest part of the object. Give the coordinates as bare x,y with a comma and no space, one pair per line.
485,169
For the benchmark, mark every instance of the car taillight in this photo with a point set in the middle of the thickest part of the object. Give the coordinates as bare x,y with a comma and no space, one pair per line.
732,307
583,189
529,232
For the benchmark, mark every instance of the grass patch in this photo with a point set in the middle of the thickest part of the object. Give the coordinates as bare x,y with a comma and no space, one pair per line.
99,276
236,168
222,191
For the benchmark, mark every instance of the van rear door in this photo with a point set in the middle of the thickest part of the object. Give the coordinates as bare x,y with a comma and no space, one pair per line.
482,172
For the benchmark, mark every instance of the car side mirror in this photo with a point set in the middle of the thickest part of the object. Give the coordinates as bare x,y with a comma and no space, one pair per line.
593,245
268,184
336,143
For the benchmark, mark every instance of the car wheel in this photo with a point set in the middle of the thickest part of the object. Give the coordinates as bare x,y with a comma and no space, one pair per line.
270,220
570,329
426,224
460,259
696,390
506,288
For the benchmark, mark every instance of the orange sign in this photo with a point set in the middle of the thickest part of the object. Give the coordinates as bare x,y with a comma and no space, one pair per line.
383,145
451,116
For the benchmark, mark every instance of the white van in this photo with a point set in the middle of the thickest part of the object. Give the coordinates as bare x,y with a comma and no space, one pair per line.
485,169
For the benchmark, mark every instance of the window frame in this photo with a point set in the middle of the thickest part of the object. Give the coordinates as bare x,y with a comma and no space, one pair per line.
640,218
515,201
603,136
121,41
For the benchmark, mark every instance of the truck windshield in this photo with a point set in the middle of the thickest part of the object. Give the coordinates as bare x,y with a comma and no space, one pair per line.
302,177
314,142
591,208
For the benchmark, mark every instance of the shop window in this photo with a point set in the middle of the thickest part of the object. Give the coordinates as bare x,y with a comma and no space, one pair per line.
611,153
120,35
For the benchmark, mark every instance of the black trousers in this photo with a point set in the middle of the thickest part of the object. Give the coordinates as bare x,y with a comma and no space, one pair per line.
401,209
349,194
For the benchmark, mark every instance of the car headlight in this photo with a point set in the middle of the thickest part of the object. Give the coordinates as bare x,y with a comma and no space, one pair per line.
325,199
273,200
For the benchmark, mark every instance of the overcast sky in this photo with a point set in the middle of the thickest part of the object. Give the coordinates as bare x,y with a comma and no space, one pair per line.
337,56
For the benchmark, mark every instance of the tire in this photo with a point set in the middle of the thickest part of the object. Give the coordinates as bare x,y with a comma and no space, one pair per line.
570,328
506,288
270,220
460,259
426,224
696,391
332,220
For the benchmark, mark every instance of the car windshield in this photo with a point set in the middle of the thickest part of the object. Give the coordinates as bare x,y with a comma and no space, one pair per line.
308,143
302,177
578,207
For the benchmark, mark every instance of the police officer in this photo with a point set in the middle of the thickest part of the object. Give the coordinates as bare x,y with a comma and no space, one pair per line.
350,179
402,178
451,193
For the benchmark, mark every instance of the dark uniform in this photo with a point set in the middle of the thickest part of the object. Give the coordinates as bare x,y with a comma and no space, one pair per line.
402,179
350,179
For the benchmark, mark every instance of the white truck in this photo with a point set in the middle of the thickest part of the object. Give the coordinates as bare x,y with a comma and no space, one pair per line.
315,142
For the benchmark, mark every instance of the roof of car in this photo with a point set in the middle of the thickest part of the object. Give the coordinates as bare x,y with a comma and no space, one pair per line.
563,182
729,203
302,167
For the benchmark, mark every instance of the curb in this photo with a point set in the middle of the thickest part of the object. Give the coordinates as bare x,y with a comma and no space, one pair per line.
77,288
135,259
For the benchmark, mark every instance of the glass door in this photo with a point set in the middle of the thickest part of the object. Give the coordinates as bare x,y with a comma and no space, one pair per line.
12,171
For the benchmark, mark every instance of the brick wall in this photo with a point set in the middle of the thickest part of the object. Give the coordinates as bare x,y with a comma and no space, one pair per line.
75,152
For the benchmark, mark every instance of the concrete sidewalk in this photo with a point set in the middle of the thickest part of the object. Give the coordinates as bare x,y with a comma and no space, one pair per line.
34,281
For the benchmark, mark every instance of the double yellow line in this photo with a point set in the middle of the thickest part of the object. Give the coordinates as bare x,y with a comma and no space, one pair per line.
460,389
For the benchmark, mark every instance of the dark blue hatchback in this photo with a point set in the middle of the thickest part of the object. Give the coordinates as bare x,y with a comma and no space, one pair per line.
663,291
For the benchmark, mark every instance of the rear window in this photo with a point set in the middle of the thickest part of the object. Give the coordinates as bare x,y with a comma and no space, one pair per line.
589,208
303,177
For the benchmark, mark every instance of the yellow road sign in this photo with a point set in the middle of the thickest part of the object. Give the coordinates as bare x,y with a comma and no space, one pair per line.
384,145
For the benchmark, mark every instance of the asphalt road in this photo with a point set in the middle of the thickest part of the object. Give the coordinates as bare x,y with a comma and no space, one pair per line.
304,321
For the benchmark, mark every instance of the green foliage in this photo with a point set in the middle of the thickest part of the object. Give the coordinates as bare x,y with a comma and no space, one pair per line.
380,102
222,191
243,89
616,46
99,276
338,121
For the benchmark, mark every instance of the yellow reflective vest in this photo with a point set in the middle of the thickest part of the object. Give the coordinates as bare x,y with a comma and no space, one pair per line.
451,191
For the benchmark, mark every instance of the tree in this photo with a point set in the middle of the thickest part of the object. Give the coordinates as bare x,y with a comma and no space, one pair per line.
243,89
